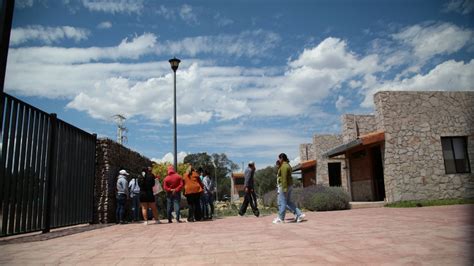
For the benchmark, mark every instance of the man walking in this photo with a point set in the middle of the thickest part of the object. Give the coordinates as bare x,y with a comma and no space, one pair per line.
122,192
250,196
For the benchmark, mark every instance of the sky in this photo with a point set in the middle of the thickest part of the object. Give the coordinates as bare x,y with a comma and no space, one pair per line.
256,78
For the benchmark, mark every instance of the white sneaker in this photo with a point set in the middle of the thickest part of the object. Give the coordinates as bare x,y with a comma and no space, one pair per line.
145,222
277,221
300,218
157,222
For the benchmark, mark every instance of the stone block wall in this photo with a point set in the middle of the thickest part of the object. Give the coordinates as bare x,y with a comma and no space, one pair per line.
365,123
111,157
321,144
414,123
306,152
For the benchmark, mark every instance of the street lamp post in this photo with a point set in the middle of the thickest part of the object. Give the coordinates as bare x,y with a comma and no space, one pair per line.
215,177
174,65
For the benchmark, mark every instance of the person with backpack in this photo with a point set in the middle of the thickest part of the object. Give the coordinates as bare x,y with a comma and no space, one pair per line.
134,188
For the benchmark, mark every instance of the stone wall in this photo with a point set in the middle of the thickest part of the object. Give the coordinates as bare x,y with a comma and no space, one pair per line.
365,123
414,123
111,157
306,152
321,144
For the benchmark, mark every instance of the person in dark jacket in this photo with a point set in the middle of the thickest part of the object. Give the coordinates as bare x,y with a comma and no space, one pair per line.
249,188
147,199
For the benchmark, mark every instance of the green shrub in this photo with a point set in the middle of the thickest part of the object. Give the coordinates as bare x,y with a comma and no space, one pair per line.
314,198
329,199
269,199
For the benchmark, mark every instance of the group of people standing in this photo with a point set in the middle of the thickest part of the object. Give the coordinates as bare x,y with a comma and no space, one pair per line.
140,191
197,187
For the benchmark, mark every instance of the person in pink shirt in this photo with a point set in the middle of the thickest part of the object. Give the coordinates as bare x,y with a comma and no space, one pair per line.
173,184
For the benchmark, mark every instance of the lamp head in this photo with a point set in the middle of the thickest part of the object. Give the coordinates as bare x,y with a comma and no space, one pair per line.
174,63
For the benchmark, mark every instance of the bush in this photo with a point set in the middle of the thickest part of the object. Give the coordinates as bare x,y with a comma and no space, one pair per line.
330,199
270,199
314,198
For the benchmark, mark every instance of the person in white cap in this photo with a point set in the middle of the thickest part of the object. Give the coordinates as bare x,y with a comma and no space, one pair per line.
250,195
122,192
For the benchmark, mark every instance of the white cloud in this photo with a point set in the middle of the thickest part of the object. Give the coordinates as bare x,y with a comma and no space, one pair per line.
318,72
223,21
450,75
295,161
249,44
342,103
127,49
186,13
105,25
435,39
255,43
199,99
207,91
24,3
460,6
114,6
169,158
167,13
47,35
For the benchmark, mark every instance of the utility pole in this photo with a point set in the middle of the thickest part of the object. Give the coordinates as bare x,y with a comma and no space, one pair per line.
121,129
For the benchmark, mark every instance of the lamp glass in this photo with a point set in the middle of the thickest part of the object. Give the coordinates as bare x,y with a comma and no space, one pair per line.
174,63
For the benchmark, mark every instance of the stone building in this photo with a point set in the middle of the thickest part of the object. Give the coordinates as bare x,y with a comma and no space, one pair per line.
237,186
418,145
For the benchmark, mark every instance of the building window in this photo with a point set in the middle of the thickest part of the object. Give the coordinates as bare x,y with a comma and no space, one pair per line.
455,155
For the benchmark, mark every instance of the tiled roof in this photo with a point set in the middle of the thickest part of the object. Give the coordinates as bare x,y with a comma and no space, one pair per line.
366,139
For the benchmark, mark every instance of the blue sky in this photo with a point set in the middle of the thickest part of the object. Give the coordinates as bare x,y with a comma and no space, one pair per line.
257,78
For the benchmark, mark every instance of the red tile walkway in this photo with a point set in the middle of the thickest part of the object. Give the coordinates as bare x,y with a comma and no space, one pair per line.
421,236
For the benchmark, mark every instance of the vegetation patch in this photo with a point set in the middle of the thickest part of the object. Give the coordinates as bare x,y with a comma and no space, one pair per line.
314,198
425,203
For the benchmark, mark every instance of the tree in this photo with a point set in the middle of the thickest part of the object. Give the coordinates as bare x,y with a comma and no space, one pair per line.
199,160
161,169
219,166
265,180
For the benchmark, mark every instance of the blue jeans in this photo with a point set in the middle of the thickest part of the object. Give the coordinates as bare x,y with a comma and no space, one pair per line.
136,207
173,200
120,211
284,202
208,205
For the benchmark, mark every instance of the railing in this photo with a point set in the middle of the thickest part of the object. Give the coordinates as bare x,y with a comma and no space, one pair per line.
47,170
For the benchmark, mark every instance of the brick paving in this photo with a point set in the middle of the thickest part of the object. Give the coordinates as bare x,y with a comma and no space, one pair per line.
421,236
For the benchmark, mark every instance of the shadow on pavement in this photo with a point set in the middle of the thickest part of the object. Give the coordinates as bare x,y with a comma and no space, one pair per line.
60,232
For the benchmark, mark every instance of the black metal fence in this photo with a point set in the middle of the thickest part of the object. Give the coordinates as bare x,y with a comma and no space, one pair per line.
47,170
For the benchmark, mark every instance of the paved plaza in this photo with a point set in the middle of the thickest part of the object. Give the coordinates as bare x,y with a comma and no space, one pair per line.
427,236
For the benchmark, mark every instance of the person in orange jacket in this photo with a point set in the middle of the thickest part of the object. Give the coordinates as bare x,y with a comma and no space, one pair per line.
193,189
173,184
